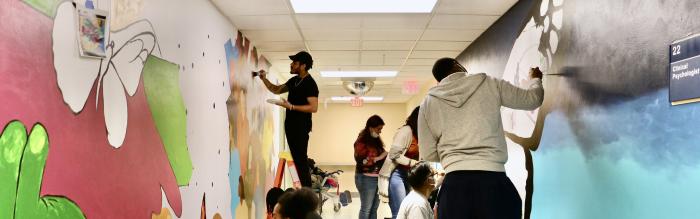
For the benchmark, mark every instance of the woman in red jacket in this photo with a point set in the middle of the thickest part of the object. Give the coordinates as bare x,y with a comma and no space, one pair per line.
369,157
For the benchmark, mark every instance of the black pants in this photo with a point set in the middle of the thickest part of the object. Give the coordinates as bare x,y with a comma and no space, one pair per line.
480,195
298,140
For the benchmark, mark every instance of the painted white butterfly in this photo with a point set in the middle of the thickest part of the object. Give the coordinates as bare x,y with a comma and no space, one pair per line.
120,71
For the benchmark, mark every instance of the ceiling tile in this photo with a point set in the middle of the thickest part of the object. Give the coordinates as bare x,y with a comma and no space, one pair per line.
336,57
341,54
391,34
387,45
380,68
337,21
387,54
337,68
262,22
395,21
441,45
334,45
338,61
331,34
420,62
273,46
247,7
476,7
451,35
403,75
278,56
272,35
463,22
424,68
434,54
373,61
382,57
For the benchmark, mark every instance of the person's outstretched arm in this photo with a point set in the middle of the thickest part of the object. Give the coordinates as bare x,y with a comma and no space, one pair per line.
275,89
524,99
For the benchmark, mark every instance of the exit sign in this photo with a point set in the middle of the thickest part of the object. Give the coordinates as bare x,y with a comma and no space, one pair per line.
410,87
356,102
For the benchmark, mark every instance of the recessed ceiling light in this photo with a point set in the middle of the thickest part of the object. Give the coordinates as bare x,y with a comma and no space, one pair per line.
366,98
363,6
358,74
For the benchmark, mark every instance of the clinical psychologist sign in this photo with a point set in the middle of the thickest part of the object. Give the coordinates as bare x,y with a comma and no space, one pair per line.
684,70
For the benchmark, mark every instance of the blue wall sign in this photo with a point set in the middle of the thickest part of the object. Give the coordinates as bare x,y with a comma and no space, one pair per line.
684,70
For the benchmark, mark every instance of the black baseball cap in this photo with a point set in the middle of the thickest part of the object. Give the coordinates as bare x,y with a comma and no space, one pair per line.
304,58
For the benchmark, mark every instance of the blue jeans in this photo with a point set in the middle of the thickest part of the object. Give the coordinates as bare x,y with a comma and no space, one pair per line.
369,196
398,189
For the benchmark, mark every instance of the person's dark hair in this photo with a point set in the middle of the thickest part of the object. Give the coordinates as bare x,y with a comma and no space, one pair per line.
443,67
412,121
297,204
271,198
419,174
303,57
366,137
290,189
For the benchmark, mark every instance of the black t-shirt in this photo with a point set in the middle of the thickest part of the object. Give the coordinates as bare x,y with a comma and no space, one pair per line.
299,90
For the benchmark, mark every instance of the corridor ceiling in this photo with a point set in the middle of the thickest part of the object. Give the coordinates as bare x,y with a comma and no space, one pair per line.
408,43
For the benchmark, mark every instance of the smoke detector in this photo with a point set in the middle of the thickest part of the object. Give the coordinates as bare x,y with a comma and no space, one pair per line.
358,87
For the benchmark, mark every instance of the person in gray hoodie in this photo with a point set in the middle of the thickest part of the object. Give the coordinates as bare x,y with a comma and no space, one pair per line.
459,125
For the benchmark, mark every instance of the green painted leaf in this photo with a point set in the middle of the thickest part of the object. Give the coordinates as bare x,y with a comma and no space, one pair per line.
23,160
47,7
161,80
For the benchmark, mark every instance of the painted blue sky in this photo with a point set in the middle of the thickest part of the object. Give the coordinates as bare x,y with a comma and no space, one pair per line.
641,161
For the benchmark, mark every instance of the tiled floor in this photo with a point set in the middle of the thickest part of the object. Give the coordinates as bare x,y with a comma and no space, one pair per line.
352,210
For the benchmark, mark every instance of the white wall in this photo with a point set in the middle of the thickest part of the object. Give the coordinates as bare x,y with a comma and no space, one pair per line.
336,127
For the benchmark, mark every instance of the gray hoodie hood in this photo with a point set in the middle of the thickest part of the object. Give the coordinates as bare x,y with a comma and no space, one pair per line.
457,88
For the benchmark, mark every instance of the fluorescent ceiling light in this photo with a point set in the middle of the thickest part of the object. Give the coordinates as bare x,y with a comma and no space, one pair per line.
363,6
358,74
348,98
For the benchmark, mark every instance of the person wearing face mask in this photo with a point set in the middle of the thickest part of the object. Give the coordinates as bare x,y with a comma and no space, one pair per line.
369,157
422,181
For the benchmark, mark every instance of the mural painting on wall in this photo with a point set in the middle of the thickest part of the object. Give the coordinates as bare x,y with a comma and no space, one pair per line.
161,83
251,130
117,173
22,164
47,7
535,46
606,136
